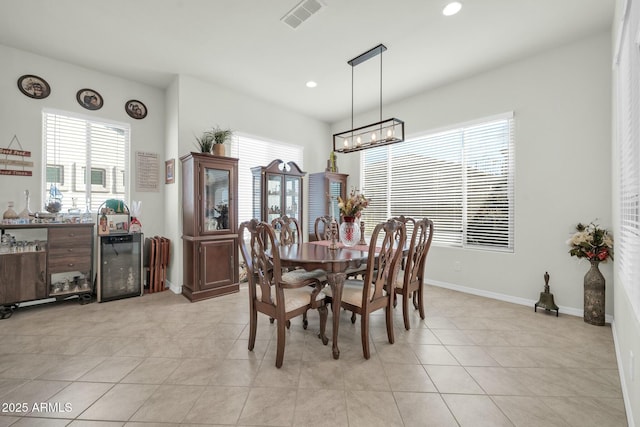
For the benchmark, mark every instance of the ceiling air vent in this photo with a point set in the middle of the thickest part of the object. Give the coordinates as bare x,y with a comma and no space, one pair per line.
301,12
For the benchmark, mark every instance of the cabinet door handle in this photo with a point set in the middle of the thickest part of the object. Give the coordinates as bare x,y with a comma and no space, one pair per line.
70,264
72,235
70,250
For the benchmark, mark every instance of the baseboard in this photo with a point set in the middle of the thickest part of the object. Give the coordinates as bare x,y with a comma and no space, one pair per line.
572,311
176,289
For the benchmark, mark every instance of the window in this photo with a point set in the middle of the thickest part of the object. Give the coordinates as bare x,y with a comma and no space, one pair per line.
74,145
628,112
462,179
253,152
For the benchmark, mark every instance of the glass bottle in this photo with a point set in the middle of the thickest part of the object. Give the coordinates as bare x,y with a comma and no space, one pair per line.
9,213
26,212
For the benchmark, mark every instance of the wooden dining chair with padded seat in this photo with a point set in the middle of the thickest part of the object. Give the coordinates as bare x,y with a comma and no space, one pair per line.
268,293
288,230
322,227
375,290
409,281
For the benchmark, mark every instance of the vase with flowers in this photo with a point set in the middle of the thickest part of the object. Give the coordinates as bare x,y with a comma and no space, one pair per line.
350,210
596,245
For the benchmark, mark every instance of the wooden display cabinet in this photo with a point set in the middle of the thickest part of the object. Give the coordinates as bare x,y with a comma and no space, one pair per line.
209,225
277,191
320,185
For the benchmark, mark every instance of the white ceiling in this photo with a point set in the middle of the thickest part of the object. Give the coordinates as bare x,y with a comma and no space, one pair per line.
243,44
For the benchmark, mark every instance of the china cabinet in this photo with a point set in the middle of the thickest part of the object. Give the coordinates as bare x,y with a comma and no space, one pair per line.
277,191
209,225
38,261
320,185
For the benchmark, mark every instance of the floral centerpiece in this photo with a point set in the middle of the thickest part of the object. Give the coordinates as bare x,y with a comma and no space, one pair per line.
591,242
353,205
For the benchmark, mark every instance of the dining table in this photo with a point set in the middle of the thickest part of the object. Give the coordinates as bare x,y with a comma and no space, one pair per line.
334,261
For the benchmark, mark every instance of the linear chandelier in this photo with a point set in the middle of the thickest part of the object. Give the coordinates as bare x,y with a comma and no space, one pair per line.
383,132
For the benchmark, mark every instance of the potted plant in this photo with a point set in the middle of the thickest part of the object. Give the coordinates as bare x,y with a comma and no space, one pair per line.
220,136
206,141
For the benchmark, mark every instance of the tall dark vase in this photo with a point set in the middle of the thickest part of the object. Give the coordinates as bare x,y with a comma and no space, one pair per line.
594,295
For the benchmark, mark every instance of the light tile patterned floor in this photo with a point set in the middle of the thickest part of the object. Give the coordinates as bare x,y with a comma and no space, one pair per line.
159,360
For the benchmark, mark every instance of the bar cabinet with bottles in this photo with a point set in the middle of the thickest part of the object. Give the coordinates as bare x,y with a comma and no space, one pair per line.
209,225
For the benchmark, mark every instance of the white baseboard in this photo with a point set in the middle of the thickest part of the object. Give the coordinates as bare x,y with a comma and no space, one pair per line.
176,289
508,298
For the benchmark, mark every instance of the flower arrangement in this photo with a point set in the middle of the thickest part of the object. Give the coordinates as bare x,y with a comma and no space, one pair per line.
353,205
591,242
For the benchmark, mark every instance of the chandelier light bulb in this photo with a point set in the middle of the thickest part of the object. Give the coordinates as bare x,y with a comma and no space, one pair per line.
452,8
373,137
346,143
389,133
358,141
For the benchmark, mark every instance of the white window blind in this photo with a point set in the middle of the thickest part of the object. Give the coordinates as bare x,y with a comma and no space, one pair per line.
462,179
628,241
253,152
85,160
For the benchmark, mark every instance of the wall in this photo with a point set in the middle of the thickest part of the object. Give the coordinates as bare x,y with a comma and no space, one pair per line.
22,116
561,100
202,105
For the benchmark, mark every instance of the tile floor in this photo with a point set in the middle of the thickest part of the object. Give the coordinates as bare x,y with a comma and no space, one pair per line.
159,360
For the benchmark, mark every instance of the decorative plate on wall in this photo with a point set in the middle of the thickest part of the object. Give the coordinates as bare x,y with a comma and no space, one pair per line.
136,109
34,86
89,99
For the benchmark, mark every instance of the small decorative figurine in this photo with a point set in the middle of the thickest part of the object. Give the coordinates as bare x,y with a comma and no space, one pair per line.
546,298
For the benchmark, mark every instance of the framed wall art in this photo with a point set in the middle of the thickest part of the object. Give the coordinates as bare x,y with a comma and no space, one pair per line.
136,109
89,99
34,86
170,171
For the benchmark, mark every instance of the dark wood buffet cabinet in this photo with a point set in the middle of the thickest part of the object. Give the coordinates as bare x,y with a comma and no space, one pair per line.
209,225
56,262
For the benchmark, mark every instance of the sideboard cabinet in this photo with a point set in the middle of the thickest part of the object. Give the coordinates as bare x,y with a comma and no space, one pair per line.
277,191
47,261
322,184
209,225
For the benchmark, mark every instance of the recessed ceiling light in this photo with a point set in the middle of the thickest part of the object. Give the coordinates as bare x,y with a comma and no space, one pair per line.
452,8
311,83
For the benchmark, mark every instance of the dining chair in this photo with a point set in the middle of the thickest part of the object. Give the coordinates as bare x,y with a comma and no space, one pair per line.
375,290
322,227
288,229
268,293
289,232
409,281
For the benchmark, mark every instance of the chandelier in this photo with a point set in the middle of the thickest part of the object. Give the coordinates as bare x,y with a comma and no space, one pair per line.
383,132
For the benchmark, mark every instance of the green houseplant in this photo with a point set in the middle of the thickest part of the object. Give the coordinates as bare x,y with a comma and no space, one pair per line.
213,140
206,141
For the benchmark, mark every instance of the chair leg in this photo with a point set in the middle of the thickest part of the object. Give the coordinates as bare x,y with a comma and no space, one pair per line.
420,301
353,317
305,322
253,326
280,342
364,334
324,314
389,313
405,311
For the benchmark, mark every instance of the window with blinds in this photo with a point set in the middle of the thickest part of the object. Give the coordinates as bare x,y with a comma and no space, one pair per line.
628,82
86,161
462,179
253,152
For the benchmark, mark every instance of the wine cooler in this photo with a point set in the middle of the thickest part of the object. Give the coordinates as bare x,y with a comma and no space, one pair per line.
120,267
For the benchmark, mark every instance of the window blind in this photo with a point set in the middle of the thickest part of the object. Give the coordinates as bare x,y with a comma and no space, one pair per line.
461,179
253,152
628,241
86,161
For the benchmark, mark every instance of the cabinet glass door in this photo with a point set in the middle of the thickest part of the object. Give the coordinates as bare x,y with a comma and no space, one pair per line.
292,197
215,199
274,197
335,190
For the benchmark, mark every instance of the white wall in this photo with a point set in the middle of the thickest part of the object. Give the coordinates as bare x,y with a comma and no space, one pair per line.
22,116
203,105
561,99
